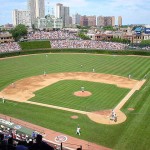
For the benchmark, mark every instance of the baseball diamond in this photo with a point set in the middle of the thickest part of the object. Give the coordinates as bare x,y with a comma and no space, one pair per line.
49,100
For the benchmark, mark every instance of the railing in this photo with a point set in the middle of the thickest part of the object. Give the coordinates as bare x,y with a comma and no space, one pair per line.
16,121
60,146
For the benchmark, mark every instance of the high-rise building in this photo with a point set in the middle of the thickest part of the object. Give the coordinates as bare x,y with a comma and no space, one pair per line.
106,21
119,21
59,10
91,20
76,19
37,9
31,8
84,21
100,21
70,20
66,16
113,21
40,8
21,17
88,20
62,12
109,21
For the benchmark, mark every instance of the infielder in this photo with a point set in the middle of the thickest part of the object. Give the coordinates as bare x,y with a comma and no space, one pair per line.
44,73
3,100
13,85
129,76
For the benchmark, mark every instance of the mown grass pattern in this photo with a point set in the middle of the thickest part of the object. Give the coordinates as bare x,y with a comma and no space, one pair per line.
130,135
34,45
104,96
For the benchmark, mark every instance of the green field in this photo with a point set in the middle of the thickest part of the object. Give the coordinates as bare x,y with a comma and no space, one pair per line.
130,135
34,45
61,94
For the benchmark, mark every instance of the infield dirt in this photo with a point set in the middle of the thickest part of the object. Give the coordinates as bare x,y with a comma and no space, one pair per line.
23,90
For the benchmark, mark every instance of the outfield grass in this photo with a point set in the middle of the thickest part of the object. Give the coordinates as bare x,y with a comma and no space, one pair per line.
34,45
27,66
130,135
104,96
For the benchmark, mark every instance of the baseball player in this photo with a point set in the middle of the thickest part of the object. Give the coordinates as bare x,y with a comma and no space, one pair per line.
13,85
3,100
129,76
78,130
44,73
82,89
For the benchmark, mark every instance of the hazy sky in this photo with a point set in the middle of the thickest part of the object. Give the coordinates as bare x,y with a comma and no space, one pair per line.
132,11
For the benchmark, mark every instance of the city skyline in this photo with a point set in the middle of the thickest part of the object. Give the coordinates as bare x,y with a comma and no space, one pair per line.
132,12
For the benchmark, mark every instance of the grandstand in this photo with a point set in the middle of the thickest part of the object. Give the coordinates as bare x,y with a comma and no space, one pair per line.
48,83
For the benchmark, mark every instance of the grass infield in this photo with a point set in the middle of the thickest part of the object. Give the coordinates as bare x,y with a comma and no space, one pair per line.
132,134
62,94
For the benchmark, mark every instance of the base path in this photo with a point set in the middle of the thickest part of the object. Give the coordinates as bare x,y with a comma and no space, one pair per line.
127,97
24,89
102,117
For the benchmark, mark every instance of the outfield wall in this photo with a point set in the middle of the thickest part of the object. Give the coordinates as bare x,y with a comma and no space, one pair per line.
92,51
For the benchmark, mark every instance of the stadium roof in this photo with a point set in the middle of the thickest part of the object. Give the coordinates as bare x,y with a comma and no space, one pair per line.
138,29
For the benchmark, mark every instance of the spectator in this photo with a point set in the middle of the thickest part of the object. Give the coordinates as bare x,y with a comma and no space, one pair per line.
9,47
40,145
88,44
21,146
3,143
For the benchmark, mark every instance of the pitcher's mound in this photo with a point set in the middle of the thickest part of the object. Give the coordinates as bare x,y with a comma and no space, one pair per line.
82,94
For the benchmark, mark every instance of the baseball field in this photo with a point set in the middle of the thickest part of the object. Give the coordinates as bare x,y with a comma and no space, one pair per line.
53,79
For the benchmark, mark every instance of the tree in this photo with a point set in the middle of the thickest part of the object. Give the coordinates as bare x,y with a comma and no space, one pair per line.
110,28
119,40
145,43
82,27
83,36
19,31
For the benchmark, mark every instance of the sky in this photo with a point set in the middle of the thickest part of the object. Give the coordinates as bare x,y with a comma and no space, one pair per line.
132,11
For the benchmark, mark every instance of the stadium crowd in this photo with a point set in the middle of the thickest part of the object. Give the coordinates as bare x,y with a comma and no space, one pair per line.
9,47
87,44
42,35
64,39
11,139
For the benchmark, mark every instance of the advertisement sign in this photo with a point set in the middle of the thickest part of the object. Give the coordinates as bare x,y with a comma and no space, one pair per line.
147,30
61,138
138,32
5,122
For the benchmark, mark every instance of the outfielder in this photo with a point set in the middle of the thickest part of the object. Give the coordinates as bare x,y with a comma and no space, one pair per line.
3,100
78,130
